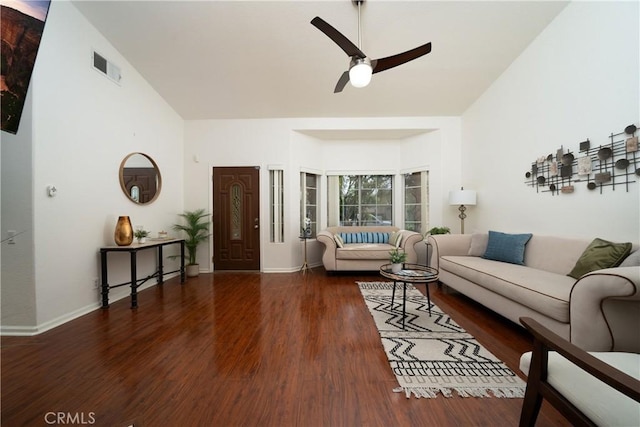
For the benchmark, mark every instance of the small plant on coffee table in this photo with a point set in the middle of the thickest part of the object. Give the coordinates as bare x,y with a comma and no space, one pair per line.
397,256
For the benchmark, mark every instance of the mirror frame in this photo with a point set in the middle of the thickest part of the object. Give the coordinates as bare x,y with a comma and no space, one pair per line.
123,186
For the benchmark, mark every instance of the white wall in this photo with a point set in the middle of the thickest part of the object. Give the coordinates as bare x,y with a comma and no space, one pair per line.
579,79
83,126
298,144
18,273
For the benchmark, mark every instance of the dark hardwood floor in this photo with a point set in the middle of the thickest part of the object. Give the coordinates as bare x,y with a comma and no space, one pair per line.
241,349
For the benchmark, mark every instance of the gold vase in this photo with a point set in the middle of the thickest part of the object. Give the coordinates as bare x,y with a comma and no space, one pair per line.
124,232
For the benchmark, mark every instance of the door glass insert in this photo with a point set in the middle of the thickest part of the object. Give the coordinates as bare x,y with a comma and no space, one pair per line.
236,212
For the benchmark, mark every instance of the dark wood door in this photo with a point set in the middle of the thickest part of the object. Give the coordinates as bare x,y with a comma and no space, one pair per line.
236,218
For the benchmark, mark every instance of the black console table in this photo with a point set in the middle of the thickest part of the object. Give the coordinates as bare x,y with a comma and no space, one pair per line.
135,282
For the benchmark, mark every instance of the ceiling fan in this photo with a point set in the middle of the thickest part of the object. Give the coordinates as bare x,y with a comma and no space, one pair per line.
362,67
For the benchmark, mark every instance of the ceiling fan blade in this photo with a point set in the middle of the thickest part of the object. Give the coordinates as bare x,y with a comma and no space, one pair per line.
338,38
399,59
342,82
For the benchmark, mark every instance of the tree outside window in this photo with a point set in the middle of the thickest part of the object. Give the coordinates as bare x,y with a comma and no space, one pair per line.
366,200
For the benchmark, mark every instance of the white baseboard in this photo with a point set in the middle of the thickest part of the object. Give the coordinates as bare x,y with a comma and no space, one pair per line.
288,270
280,270
18,331
28,331
43,327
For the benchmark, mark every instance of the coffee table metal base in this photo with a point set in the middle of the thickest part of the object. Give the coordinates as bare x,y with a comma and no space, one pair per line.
410,273
404,299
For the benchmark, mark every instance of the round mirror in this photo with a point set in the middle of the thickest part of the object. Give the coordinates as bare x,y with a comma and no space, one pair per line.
140,178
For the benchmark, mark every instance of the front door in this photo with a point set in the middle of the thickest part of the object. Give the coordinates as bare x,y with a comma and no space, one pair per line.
236,218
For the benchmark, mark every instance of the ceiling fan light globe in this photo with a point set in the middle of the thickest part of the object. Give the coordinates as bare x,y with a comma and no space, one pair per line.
360,74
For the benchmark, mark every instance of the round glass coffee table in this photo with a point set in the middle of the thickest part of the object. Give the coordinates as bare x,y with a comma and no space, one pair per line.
410,273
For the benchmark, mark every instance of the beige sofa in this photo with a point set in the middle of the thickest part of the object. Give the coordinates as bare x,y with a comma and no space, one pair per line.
584,311
366,256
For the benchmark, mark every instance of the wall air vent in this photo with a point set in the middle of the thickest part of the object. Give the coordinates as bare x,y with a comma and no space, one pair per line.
106,67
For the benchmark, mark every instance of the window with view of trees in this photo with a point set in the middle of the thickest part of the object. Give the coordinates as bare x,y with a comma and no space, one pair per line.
366,199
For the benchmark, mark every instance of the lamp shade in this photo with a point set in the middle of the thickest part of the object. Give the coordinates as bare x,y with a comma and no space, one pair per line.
462,197
360,74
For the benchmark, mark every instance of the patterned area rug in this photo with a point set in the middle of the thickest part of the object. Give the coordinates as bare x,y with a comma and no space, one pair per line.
434,355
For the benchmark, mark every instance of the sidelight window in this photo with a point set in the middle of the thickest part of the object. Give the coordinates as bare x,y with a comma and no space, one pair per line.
276,208
416,201
309,186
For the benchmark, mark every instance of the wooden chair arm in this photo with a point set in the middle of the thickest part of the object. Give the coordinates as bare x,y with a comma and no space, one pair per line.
604,372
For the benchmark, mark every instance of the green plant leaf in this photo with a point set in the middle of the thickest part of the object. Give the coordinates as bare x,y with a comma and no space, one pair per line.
196,229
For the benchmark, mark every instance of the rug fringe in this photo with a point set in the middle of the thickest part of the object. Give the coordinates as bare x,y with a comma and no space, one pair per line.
433,392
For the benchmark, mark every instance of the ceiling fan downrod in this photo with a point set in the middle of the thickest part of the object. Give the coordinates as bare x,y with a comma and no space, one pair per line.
359,3
360,69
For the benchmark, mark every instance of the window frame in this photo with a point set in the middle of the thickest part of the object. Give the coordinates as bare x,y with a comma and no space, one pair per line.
410,222
309,208
370,203
276,205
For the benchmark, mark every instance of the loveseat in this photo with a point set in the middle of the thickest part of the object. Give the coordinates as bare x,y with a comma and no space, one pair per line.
584,310
365,248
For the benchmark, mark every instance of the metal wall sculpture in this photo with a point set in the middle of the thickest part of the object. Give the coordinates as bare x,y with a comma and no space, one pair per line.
615,164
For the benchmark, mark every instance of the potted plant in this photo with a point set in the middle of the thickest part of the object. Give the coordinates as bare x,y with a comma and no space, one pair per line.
439,230
197,230
397,258
141,235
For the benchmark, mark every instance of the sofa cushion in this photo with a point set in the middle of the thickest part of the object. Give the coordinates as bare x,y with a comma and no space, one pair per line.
339,241
361,251
542,291
598,255
506,247
552,253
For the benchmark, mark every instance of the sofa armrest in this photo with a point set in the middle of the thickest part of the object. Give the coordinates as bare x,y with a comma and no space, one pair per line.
409,239
448,244
329,254
604,310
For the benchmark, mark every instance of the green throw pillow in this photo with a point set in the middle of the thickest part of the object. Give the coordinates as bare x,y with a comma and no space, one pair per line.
598,255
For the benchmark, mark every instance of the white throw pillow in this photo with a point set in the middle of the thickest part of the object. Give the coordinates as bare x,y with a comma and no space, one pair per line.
395,238
479,243
338,240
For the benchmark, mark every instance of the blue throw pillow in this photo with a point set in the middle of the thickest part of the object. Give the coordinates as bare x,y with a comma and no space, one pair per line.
506,247
352,238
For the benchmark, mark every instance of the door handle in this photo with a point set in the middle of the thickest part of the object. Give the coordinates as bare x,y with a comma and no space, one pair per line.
255,220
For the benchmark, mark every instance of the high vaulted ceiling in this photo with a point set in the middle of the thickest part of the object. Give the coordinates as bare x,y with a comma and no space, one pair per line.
263,59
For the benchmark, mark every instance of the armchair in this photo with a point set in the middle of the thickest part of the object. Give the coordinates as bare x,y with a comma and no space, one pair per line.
597,388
